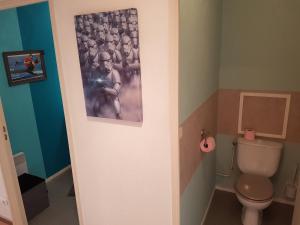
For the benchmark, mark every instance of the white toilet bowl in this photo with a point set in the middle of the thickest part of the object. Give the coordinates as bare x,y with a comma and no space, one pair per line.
252,211
255,194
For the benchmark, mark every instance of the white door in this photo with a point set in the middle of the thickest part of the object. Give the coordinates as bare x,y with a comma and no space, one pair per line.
10,176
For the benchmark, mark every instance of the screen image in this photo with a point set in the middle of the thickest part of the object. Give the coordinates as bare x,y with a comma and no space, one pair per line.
24,66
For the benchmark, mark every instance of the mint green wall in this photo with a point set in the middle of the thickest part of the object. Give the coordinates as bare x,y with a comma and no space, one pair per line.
260,45
17,102
200,38
290,157
260,51
224,152
195,199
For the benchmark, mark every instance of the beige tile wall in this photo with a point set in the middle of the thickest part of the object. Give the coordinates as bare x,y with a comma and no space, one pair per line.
228,109
219,114
204,117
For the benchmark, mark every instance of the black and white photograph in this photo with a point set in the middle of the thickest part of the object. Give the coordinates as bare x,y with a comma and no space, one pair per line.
108,47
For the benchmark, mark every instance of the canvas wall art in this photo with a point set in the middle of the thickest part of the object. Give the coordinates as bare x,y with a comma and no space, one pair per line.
108,47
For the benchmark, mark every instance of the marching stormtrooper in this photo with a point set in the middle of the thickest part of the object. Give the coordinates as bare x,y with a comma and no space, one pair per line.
107,84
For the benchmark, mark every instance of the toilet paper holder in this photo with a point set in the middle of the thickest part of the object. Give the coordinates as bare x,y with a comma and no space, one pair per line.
204,135
207,142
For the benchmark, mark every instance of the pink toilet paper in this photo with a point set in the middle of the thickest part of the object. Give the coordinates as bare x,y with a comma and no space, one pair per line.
207,144
249,134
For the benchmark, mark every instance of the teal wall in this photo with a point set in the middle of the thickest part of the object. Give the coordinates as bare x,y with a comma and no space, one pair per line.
36,33
200,39
17,102
260,45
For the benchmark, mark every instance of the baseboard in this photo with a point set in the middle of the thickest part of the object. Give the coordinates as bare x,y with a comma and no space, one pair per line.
277,199
231,190
208,207
284,201
59,173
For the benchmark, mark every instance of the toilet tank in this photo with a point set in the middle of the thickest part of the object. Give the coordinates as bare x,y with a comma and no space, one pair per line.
259,157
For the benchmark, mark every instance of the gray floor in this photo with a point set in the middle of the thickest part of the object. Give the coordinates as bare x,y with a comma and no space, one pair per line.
62,210
225,209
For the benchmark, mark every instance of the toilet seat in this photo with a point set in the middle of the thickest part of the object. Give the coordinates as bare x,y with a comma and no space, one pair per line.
254,187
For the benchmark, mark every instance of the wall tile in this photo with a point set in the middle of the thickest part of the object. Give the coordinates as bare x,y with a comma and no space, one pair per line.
293,129
190,156
228,111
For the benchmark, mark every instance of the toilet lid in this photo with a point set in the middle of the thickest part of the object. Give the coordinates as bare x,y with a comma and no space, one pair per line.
255,187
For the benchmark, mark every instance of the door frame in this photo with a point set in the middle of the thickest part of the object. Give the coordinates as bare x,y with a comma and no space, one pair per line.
14,195
10,175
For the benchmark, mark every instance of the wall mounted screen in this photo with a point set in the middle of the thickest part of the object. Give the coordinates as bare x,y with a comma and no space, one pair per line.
24,66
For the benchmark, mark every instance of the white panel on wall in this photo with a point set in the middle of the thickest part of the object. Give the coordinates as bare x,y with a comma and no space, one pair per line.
266,113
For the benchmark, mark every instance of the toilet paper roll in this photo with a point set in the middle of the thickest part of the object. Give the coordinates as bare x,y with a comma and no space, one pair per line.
207,144
249,134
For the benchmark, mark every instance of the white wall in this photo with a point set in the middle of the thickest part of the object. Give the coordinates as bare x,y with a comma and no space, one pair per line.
123,170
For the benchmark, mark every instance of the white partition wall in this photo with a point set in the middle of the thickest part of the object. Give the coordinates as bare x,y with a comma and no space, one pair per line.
123,171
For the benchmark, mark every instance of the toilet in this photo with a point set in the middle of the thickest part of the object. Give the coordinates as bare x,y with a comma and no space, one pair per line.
258,160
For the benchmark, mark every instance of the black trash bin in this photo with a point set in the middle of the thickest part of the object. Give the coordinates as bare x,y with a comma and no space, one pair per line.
34,193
